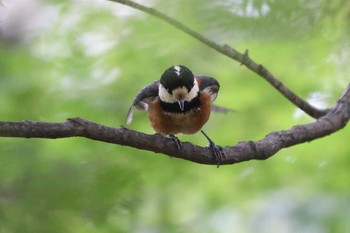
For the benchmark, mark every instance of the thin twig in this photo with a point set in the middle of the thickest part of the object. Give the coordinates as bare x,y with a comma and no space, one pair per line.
242,58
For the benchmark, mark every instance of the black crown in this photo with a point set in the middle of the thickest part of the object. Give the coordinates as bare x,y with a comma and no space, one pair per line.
177,76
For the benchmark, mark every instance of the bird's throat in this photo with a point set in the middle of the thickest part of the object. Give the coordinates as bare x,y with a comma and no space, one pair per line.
194,104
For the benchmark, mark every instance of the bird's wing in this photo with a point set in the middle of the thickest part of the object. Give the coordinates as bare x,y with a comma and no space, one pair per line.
208,85
211,86
143,98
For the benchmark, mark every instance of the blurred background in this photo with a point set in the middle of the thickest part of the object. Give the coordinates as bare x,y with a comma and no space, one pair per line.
61,59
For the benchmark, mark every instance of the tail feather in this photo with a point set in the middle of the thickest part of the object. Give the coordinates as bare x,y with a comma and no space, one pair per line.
130,115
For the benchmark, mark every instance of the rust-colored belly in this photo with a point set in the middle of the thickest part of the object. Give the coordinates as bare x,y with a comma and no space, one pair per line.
174,123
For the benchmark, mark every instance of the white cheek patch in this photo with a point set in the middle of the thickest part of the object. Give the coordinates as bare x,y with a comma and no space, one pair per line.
165,96
193,93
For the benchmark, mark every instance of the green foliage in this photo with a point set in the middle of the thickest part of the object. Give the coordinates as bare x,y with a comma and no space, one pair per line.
94,58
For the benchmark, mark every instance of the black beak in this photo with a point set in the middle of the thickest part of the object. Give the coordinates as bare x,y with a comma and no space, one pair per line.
181,104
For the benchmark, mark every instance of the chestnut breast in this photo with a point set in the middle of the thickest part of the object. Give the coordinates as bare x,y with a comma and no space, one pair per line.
192,121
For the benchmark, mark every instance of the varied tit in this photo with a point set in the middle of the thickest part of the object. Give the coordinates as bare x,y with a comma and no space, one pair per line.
179,103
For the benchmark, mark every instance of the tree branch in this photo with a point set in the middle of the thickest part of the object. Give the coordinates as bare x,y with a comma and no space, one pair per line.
333,121
242,58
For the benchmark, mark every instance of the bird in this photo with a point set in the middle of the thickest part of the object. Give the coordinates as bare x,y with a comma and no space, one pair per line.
179,102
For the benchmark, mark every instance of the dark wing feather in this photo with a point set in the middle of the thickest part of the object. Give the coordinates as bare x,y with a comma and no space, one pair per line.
208,85
211,86
145,96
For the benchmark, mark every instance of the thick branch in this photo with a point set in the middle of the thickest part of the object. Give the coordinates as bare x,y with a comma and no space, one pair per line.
242,58
333,121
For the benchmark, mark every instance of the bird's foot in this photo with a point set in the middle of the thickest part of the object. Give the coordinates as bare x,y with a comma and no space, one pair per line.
177,141
218,153
216,150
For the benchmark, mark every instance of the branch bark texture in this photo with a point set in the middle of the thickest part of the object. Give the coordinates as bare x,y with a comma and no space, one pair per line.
333,121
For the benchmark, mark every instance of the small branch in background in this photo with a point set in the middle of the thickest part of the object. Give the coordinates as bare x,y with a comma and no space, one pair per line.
242,58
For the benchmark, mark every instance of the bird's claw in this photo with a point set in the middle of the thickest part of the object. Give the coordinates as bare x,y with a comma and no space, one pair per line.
177,142
217,152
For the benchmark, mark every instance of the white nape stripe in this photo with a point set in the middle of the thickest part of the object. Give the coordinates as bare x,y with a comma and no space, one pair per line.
177,70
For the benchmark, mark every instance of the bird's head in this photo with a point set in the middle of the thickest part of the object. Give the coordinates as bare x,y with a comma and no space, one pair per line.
177,84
